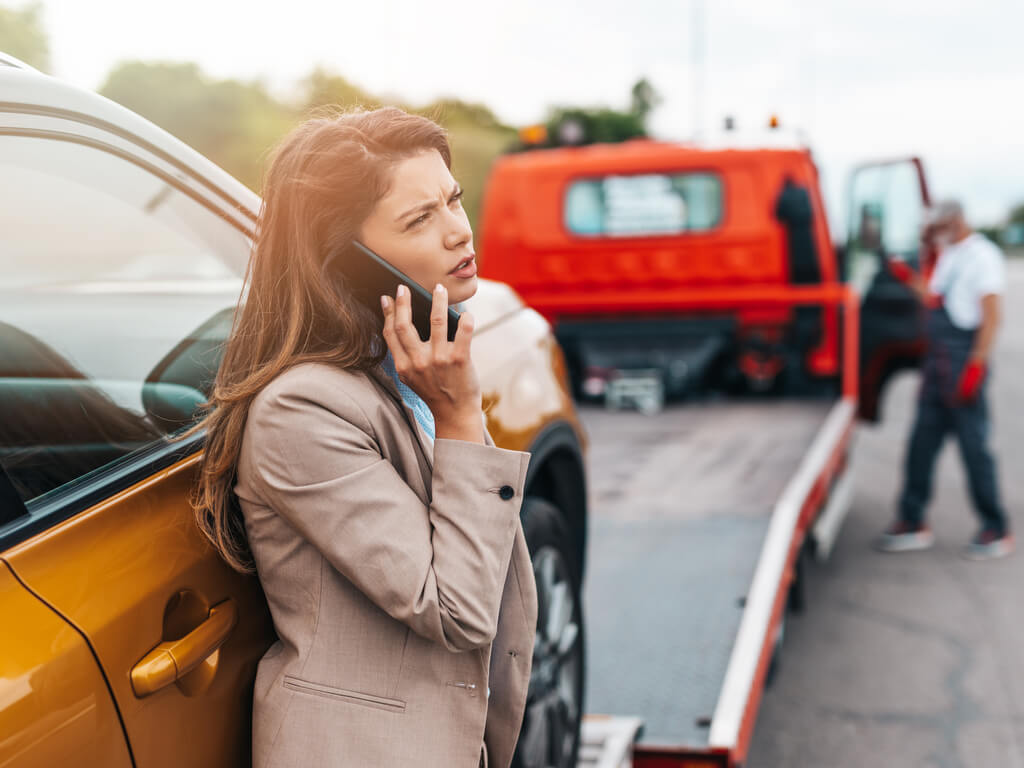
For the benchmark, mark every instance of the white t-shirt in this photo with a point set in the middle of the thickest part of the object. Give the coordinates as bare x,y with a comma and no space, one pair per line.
966,272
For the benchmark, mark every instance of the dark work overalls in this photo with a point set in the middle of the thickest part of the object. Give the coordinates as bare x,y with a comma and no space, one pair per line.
938,413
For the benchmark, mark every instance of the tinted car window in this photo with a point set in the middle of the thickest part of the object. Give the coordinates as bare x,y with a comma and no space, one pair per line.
643,204
115,293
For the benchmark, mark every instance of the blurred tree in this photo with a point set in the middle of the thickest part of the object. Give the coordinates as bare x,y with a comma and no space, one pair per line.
578,125
323,88
995,234
452,112
569,125
643,99
22,35
233,123
1012,235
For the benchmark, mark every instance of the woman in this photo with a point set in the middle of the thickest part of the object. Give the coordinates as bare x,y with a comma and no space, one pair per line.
382,521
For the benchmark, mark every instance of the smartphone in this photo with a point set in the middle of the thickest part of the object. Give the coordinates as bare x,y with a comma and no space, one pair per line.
371,276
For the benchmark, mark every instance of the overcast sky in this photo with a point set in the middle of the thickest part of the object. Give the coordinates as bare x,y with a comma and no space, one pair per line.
859,80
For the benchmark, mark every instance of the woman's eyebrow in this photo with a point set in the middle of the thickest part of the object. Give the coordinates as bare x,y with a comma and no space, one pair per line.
421,208
424,207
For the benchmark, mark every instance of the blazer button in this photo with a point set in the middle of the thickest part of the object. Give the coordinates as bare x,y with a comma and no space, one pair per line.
506,492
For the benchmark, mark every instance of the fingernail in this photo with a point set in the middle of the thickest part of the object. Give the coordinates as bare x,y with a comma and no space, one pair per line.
401,290
438,288
384,302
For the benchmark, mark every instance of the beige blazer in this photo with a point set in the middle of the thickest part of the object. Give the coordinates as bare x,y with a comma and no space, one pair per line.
397,576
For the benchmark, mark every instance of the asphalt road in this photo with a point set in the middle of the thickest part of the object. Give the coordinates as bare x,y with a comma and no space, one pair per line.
899,660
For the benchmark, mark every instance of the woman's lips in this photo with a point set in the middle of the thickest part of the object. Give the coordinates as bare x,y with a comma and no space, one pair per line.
467,271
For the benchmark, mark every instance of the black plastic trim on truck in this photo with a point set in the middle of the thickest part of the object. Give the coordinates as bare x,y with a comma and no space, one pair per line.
580,335
629,326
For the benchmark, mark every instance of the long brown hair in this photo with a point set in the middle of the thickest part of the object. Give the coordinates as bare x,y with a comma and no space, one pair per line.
323,180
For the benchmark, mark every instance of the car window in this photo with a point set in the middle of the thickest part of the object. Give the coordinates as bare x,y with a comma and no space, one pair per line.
643,204
115,295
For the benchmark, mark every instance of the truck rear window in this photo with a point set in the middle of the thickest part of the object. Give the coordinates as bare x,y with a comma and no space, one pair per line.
643,204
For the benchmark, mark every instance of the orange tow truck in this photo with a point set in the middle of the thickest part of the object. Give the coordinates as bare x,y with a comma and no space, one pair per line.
672,272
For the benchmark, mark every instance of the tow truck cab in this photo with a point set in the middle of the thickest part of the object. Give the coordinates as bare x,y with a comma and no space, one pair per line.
689,264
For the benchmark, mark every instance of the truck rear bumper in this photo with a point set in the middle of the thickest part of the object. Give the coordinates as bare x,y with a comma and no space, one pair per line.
680,349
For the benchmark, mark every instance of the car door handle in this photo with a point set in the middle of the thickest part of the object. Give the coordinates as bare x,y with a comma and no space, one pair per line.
174,659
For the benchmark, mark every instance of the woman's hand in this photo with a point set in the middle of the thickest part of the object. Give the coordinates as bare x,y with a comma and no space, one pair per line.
439,371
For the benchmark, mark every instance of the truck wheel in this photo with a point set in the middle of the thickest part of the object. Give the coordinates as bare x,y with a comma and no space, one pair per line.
554,702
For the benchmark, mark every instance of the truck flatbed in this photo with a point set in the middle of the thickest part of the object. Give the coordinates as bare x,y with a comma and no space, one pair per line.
691,494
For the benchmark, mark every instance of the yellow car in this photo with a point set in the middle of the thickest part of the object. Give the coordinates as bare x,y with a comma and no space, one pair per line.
124,640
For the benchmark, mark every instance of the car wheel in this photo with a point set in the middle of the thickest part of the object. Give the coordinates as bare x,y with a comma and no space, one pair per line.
554,702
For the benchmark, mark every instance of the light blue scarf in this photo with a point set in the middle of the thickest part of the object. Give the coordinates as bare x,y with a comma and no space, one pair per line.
419,408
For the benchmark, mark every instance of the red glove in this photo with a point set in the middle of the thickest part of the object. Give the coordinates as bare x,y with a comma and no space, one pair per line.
970,381
901,271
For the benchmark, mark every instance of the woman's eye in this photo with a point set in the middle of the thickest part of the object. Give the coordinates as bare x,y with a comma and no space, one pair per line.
456,198
419,220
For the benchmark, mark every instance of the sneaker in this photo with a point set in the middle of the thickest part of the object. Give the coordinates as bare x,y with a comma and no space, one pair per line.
905,537
989,545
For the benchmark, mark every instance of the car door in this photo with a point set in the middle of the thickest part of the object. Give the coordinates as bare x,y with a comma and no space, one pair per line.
55,708
886,201
119,281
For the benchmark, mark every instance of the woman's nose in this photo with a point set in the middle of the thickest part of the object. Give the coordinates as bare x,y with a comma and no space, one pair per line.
459,232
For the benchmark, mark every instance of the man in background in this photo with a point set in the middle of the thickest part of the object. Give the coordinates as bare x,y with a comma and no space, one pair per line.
963,305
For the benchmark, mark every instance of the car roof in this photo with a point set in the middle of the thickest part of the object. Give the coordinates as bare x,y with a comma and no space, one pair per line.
28,90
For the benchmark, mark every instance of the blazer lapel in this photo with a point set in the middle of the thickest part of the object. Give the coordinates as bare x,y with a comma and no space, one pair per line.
422,439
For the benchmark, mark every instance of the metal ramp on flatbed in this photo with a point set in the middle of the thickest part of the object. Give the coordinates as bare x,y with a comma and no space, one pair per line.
678,532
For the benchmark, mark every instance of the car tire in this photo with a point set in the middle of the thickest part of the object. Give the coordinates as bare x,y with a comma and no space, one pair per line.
550,733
